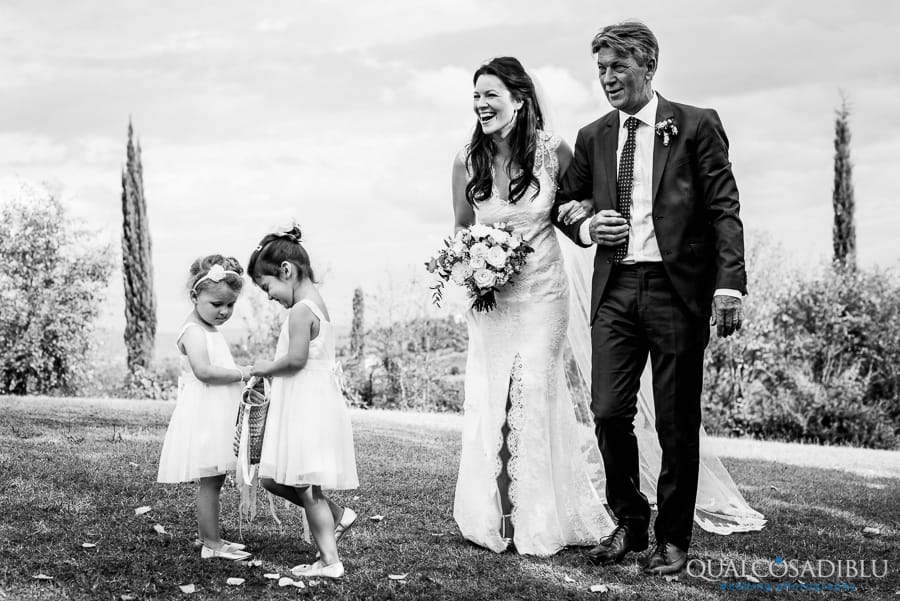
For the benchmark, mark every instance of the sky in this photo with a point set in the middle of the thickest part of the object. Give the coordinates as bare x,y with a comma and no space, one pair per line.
346,117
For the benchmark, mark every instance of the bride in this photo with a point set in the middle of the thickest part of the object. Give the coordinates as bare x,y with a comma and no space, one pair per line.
530,474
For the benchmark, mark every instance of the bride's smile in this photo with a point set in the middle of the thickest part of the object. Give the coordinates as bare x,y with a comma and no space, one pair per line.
494,105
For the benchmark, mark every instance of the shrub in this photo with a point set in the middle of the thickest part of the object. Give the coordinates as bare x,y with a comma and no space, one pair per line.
52,282
159,382
411,364
818,360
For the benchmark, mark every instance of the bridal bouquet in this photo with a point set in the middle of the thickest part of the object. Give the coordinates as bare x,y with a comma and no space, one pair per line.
482,258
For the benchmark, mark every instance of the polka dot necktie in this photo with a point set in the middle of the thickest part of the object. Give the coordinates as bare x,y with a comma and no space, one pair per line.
625,183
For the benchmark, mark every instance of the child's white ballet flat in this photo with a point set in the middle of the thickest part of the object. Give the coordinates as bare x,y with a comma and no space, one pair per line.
318,570
225,543
223,553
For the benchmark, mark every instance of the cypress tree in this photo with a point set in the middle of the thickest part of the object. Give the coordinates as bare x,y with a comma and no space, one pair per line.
137,267
357,328
844,229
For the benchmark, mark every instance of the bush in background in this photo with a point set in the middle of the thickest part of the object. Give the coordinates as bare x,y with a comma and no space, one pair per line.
52,282
414,364
817,361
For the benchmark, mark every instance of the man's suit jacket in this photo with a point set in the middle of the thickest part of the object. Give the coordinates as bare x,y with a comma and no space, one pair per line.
695,202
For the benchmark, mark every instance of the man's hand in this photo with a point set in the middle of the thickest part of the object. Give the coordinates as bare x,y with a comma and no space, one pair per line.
608,228
728,315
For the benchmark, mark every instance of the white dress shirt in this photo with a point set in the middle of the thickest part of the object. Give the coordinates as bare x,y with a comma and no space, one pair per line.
642,245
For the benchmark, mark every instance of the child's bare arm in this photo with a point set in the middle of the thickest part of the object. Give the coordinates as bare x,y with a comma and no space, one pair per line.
300,323
193,341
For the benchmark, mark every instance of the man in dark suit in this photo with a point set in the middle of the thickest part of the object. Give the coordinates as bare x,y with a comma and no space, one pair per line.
670,252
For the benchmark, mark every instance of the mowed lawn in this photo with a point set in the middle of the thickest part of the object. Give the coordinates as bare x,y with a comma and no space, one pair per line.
73,471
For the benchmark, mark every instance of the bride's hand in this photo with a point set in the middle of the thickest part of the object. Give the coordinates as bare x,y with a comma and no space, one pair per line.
575,210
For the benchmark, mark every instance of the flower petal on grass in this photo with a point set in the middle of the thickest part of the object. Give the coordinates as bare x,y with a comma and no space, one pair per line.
752,578
142,510
599,588
42,577
285,581
88,545
299,584
272,576
376,518
254,563
568,579
871,530
671,577
234,581
159,529
187,589
398,576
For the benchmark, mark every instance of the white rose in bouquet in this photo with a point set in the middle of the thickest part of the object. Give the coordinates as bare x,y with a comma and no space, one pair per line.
497,257
500,236
479,249
459,273
484,278
479,230
480,258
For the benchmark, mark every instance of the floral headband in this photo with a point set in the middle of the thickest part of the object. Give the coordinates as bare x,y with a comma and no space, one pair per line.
216,273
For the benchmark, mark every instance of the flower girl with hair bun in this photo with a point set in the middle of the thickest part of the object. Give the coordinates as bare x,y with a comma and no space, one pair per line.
198,443
308,444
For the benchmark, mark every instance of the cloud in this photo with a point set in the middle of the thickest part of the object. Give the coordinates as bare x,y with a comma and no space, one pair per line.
448,87
347,115
22,149
270,25
564,93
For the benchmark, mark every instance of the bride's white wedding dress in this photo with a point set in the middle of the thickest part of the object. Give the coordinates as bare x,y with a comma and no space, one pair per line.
520,351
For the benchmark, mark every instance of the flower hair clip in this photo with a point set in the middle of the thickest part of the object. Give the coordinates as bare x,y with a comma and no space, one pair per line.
291,232
667,129
216,273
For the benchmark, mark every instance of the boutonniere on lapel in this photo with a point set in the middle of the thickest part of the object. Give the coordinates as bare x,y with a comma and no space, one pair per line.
667,129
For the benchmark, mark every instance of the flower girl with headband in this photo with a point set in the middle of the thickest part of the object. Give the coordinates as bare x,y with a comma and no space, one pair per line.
308,441
198,443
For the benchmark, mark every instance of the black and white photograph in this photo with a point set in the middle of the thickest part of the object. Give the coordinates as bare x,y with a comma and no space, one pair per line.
475,300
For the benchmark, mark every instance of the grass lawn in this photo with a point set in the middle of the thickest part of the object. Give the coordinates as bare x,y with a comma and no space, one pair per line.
72,471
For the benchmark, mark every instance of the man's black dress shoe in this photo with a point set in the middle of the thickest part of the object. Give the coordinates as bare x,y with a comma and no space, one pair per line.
666,559
614,547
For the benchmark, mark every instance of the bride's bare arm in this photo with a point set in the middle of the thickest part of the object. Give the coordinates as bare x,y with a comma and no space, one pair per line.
463,213
571,211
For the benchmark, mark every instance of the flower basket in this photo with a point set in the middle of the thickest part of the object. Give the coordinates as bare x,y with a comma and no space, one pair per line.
251,422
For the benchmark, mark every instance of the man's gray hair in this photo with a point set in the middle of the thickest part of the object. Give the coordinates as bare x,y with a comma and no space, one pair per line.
629,38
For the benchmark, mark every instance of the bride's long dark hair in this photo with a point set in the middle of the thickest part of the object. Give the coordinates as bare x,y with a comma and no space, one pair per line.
522,139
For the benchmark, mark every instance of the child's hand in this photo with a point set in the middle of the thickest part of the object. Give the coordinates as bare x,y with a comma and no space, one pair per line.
261,368
246,372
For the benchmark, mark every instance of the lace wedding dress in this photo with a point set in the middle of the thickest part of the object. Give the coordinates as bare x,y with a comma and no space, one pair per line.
516,352
528,350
